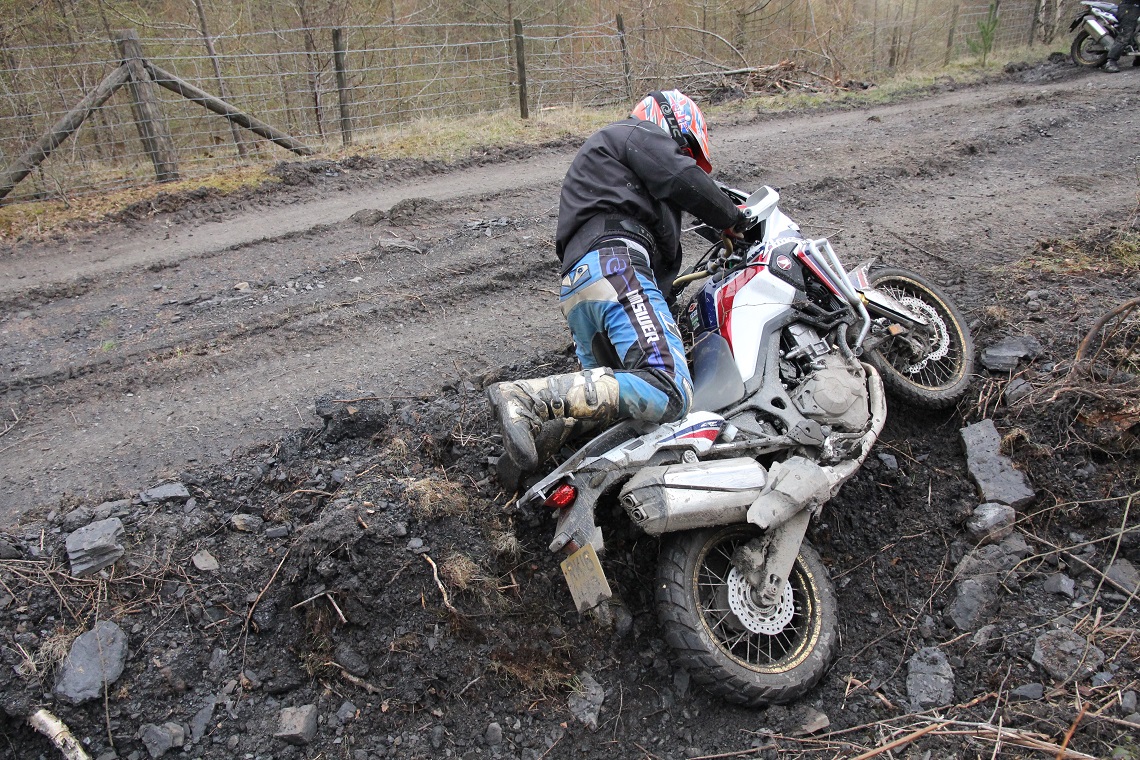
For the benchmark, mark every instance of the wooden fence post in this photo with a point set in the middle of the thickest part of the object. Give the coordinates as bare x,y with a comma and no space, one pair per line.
209,102
950,35
625,58
148,114
50,140
520,61
339,53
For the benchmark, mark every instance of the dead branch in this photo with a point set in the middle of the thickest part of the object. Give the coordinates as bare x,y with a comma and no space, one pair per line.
1068,554
336,607
59,734
920,249
9,427
252,607
902,740
379,398
1116,721
37,434
739,753
1070,732
354,680
1094,331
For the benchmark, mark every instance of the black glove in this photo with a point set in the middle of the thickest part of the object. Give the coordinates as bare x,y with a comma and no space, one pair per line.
742,224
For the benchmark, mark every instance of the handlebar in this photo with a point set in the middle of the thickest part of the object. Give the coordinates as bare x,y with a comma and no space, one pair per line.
711,268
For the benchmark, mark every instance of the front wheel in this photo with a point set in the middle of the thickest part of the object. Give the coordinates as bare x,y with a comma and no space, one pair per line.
1086,51
928,368
736,649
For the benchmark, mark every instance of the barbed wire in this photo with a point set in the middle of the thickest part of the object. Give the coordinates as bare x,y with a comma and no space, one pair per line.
395,74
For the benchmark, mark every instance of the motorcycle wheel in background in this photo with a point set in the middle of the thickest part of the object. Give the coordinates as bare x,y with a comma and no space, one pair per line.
736,649
1088,52
929,371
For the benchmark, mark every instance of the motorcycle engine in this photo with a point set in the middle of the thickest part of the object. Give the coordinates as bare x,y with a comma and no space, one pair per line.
834,394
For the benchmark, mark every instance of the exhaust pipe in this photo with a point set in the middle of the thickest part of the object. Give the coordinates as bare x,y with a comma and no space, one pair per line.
698,495
1098,32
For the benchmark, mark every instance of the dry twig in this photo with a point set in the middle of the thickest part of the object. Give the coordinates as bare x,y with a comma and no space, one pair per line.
902,740
8,427
439,584
252,607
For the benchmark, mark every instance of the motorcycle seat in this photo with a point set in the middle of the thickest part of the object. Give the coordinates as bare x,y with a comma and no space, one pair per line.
716,379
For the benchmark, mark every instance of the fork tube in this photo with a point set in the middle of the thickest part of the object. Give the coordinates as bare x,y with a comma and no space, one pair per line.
834,269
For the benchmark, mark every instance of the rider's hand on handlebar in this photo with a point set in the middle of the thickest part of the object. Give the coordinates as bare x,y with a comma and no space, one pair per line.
742,223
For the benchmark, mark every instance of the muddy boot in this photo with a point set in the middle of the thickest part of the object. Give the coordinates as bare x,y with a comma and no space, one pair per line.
523,405
555,434
1111,66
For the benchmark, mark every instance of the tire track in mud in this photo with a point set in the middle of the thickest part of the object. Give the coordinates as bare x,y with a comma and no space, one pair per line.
971,178
312,324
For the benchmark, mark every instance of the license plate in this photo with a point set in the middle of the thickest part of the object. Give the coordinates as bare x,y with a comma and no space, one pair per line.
586,579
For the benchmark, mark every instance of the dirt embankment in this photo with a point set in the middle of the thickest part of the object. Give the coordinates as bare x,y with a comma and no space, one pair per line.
190,347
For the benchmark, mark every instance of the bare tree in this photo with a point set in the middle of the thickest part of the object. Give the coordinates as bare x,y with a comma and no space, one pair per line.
209,42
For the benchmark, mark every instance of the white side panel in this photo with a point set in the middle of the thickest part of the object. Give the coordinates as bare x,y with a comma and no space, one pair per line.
764,298
779,225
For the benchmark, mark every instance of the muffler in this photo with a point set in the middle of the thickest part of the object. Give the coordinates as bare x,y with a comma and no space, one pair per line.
1098,32
698,495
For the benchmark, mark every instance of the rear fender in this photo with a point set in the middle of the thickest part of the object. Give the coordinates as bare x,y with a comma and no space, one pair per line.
610,458
576,526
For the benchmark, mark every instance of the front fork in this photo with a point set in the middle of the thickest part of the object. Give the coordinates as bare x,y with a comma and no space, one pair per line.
766,562
797,489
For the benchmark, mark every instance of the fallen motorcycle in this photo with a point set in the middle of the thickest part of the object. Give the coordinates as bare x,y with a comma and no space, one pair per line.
1099,29
790,356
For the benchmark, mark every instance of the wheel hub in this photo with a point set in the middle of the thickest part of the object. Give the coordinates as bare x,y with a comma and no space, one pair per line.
766,620
942,335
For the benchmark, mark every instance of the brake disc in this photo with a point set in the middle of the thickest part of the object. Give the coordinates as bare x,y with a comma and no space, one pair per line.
936,321
766,620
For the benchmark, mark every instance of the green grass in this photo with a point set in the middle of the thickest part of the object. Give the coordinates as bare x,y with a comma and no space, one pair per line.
1125,250
1103,250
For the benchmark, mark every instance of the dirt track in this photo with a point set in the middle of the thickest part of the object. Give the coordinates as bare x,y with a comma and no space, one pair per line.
128,353
149,362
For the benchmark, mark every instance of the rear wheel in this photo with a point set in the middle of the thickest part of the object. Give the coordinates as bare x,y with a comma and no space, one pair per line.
1088,52
929,368
740,651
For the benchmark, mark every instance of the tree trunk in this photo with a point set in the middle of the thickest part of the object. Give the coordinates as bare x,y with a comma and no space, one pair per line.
875,36
910,36
291,117
209,42
313,61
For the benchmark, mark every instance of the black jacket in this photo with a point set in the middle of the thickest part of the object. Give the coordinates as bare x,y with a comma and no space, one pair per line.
633,171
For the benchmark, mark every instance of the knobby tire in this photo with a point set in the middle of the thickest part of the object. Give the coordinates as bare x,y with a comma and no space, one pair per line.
744,672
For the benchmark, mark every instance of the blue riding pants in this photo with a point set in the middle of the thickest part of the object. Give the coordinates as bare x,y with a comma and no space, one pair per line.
618,318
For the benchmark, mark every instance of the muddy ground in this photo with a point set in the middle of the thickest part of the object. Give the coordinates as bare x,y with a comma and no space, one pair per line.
314,356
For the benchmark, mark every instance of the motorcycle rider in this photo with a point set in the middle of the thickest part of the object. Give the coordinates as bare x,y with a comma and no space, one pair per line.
1127,14
618,237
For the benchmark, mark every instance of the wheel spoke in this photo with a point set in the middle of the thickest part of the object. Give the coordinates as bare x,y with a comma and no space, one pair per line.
729,630
772,645
924,371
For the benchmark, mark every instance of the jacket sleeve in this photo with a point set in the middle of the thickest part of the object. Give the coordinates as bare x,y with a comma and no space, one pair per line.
671,176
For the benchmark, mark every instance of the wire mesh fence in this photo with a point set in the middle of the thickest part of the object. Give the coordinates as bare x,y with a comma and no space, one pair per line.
332,86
